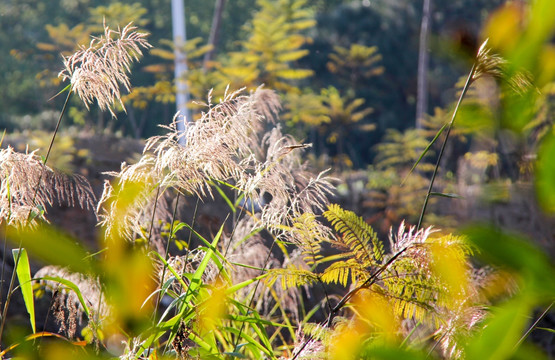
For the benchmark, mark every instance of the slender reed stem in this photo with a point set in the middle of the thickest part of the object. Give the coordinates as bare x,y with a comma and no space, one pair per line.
531,328
254,292
4,255
440,156
166,255
12,280
152,217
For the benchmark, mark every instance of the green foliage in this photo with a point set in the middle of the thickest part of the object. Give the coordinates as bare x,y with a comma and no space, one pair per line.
274,45
23,271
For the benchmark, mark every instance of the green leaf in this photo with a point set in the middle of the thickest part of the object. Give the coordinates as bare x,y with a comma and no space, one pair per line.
67,88
235,354
23,271
73,287
251,341
234,288
450,196
294,74
498,339
517,254
225,197
54,247
440,131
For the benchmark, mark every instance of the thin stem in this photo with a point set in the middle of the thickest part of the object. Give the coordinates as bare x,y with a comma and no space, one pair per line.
159,297
439,157
152,217
12,280
531,328
58,125
254,292
193,221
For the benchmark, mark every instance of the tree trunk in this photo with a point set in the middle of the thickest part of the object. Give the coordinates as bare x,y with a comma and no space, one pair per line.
422,81
214,32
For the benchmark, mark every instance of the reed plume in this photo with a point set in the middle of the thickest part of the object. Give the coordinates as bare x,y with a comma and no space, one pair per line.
27,187
225,145
98,71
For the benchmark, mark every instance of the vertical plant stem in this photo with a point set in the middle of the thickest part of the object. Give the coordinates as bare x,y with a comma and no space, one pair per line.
58,125
440,156
152,217
531,328
5,250
166,255
254,293
37,187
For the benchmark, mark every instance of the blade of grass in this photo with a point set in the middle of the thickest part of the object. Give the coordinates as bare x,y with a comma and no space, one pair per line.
438,134
450,196
23,271
225,197
71,285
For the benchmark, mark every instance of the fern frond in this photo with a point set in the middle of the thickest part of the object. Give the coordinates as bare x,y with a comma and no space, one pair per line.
412,295
308,233
343,272
358,236
291,276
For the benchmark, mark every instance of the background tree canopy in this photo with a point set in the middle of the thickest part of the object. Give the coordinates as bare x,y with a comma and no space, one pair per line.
329,48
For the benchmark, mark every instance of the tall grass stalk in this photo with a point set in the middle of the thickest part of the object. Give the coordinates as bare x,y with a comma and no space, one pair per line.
160,295
16,264
485,63
442,150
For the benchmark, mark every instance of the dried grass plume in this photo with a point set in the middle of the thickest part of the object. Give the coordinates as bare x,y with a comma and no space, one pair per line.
27,187
99,70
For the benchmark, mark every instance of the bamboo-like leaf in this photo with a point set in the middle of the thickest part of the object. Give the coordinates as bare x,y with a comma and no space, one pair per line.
292,55
23,271
447,195
226,198
294,74
234,288
438,134
251,341
73,287
54,247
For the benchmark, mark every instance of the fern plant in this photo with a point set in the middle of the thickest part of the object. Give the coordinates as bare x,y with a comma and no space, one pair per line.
406,277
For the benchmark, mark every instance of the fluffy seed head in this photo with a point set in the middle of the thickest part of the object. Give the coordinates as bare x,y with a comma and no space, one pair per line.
99,70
